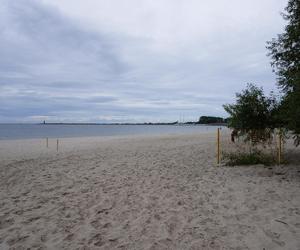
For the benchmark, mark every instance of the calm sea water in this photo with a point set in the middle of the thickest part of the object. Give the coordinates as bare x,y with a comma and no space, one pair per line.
26,131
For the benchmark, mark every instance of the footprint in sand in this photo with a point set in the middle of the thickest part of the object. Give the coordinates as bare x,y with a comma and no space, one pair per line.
16,240
96,240
172,225
274,237
6,222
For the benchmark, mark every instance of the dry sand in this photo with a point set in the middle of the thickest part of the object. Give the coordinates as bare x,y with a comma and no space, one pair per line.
159,192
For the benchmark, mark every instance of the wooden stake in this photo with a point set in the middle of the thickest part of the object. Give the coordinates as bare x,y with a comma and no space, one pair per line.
47,144
279,148
218,146
57,145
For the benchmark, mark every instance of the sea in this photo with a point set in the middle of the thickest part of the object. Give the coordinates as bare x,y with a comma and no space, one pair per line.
30,131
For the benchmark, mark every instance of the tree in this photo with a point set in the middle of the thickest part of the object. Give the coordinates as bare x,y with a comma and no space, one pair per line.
285,55
210,120
253,114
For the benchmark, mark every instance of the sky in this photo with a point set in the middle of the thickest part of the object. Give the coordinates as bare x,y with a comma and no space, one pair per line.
131,61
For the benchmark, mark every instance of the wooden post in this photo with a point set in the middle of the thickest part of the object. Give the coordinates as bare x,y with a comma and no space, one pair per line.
47,144
57,145
218,146
279,147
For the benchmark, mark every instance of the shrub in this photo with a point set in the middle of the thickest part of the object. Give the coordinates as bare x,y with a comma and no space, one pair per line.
248,158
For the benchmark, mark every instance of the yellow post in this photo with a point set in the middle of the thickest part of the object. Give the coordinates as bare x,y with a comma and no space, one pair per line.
279,147
218,146
57,145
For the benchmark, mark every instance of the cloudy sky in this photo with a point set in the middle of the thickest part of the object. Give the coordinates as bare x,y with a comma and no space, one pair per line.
133,60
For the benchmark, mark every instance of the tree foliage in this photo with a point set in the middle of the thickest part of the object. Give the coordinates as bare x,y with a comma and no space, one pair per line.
211,120
254,113
285,54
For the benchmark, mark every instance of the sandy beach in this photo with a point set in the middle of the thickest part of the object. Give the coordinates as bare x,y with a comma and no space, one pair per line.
142,192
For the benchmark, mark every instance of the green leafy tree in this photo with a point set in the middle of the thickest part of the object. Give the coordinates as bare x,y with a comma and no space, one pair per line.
210,119
285,54
253,114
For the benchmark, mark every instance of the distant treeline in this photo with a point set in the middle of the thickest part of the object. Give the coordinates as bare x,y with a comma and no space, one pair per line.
202,120
89,123
211,120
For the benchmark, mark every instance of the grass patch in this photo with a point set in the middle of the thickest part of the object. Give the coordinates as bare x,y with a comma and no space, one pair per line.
253,158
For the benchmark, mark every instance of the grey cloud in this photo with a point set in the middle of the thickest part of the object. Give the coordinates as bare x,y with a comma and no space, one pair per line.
102,99
38,41
54,66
